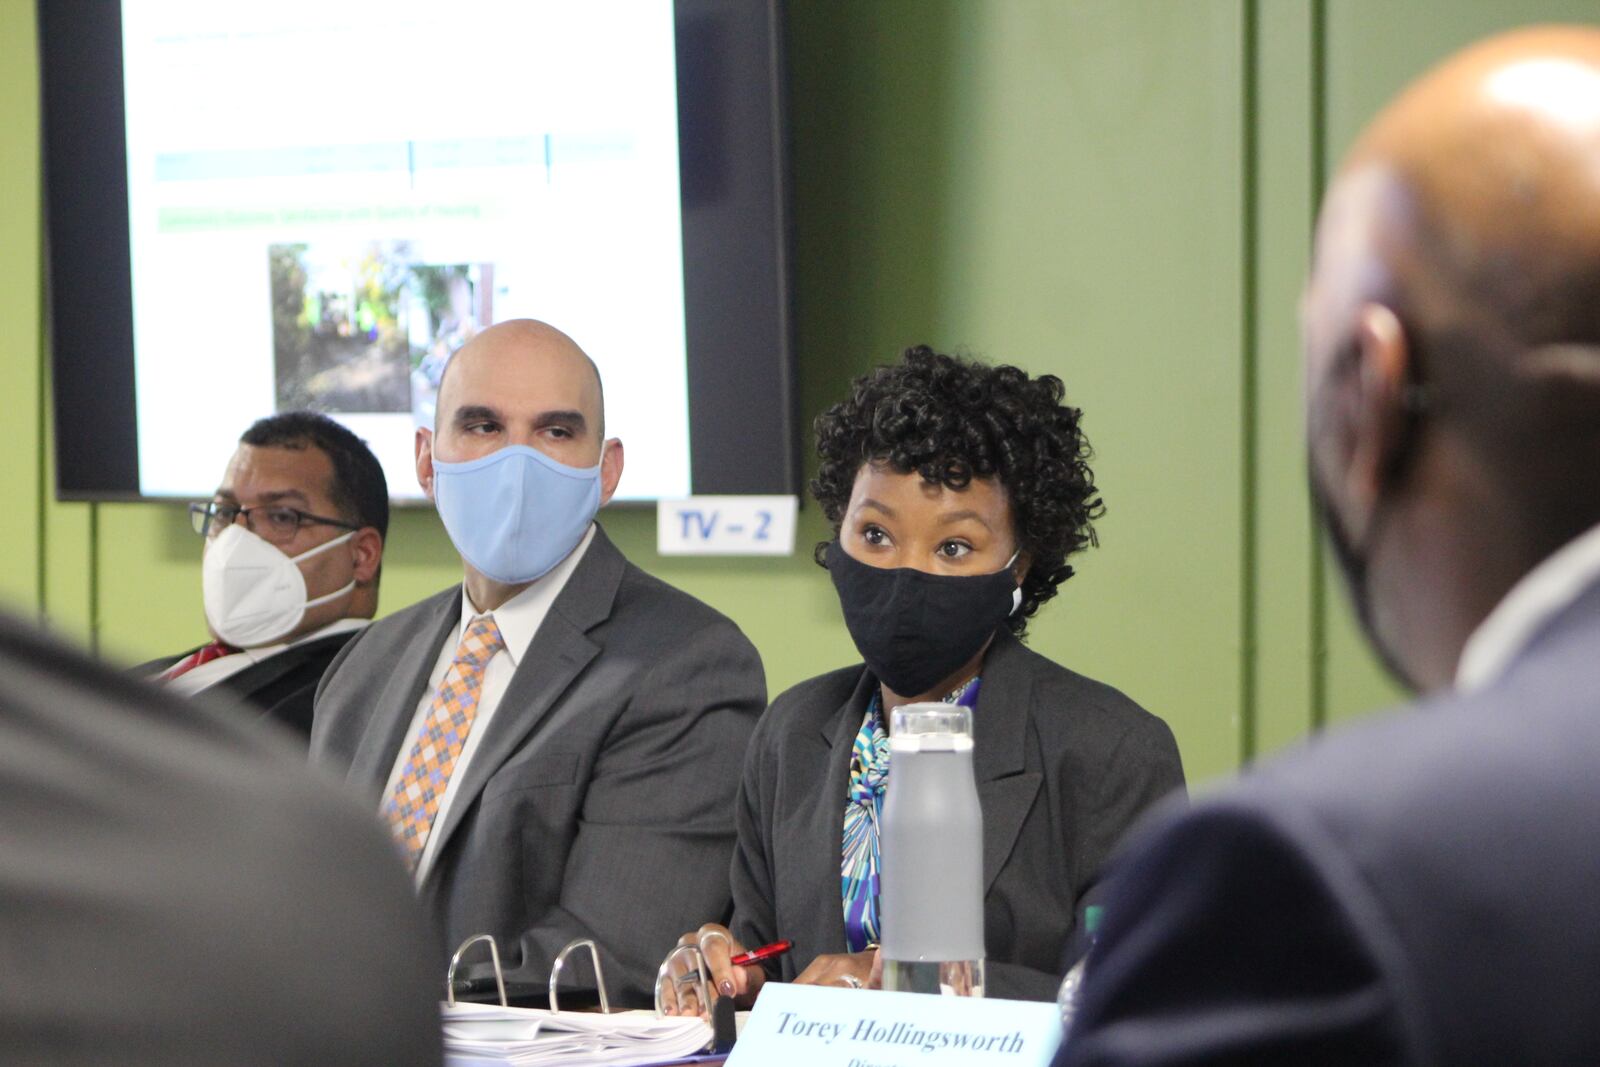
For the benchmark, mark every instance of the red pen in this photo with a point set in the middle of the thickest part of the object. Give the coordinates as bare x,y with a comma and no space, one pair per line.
765,952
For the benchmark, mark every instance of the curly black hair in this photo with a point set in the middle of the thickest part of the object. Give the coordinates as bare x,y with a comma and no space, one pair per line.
952,420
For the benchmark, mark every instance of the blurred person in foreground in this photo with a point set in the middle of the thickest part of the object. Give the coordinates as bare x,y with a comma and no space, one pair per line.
294,546
957,492
1419,889
177,887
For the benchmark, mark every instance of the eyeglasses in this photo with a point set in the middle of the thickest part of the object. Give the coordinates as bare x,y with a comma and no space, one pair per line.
273,522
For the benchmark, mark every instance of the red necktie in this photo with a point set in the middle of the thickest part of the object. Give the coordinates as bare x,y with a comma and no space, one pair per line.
203,654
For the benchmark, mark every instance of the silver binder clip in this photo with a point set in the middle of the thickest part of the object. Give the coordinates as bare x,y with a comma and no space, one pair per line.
561,961
494,956
696,974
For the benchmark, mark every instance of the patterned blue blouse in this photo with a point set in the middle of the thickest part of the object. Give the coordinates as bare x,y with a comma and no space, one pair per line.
869,778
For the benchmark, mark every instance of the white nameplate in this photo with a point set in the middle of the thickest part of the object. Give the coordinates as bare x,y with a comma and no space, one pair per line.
820,1026
726,526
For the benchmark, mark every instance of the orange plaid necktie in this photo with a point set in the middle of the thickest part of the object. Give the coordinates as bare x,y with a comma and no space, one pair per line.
411,807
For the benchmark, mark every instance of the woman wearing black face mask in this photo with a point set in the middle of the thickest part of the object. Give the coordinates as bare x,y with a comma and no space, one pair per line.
957,492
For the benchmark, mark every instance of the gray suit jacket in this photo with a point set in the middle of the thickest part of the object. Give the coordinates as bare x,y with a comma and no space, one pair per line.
1064,764
1417,889
177,887
599,802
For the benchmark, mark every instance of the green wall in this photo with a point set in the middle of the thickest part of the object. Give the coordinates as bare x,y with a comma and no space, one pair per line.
1118,192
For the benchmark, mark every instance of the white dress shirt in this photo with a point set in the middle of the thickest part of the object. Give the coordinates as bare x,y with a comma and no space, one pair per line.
1541,594
518,619
213,671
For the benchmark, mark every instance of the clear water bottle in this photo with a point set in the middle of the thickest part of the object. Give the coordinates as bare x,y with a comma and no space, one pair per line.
931,844
1067,999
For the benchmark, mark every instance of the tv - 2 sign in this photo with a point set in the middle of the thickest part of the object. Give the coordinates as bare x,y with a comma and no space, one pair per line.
726,526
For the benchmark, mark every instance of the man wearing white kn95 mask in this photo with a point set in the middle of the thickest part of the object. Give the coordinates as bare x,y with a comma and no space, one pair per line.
554,743
293,546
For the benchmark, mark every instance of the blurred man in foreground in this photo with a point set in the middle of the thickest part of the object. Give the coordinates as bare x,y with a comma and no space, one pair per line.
176,887
1420,889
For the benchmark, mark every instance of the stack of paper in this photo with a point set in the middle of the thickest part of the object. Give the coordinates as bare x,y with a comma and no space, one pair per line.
481,1035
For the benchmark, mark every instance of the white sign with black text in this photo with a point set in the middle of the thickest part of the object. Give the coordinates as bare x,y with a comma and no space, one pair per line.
819,1026
726,526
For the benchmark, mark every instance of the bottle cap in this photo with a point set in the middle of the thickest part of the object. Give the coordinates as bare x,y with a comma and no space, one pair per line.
931,718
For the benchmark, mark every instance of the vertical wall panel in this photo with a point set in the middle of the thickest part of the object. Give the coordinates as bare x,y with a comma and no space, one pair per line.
148,581
46,569
1284,193
20,282
1093,231
71,573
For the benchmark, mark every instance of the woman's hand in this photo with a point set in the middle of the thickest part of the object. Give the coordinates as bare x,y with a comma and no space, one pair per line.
681,993
859,970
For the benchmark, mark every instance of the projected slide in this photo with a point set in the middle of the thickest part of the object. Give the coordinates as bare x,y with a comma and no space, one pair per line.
328,198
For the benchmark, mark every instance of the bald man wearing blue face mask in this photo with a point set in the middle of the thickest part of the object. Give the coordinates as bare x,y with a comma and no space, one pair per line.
555,743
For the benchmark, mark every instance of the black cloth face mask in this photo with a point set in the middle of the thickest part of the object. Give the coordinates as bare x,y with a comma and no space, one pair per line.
915,629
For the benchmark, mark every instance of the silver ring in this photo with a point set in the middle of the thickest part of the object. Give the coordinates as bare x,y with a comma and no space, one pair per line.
850,980
700,939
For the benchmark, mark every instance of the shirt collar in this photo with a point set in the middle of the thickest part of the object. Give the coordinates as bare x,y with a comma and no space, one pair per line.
1537,598
337,626
519,618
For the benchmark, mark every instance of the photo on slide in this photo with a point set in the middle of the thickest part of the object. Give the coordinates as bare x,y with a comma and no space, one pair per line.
368,329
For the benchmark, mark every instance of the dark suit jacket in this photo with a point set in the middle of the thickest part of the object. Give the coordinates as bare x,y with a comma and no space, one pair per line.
600,800
281,687
1063,765
1420,889
177,887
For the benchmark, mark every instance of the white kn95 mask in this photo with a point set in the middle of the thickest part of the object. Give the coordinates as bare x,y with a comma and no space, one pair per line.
254,593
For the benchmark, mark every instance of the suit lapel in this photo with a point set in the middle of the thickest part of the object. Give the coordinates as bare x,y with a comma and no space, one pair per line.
387,731
241,686
558,653
823,841
237,688
1006,791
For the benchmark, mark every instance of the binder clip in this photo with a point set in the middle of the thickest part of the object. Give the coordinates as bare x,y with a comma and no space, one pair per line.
599,979
499,975
454,985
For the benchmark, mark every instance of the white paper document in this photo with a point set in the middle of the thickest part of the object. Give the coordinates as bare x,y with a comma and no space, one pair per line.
487,1035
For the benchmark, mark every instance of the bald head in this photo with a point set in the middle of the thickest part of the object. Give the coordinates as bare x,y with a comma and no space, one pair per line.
1472,203
1470,209
525,383
525,346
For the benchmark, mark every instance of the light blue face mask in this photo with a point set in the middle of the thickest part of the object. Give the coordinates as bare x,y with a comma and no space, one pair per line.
515,513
